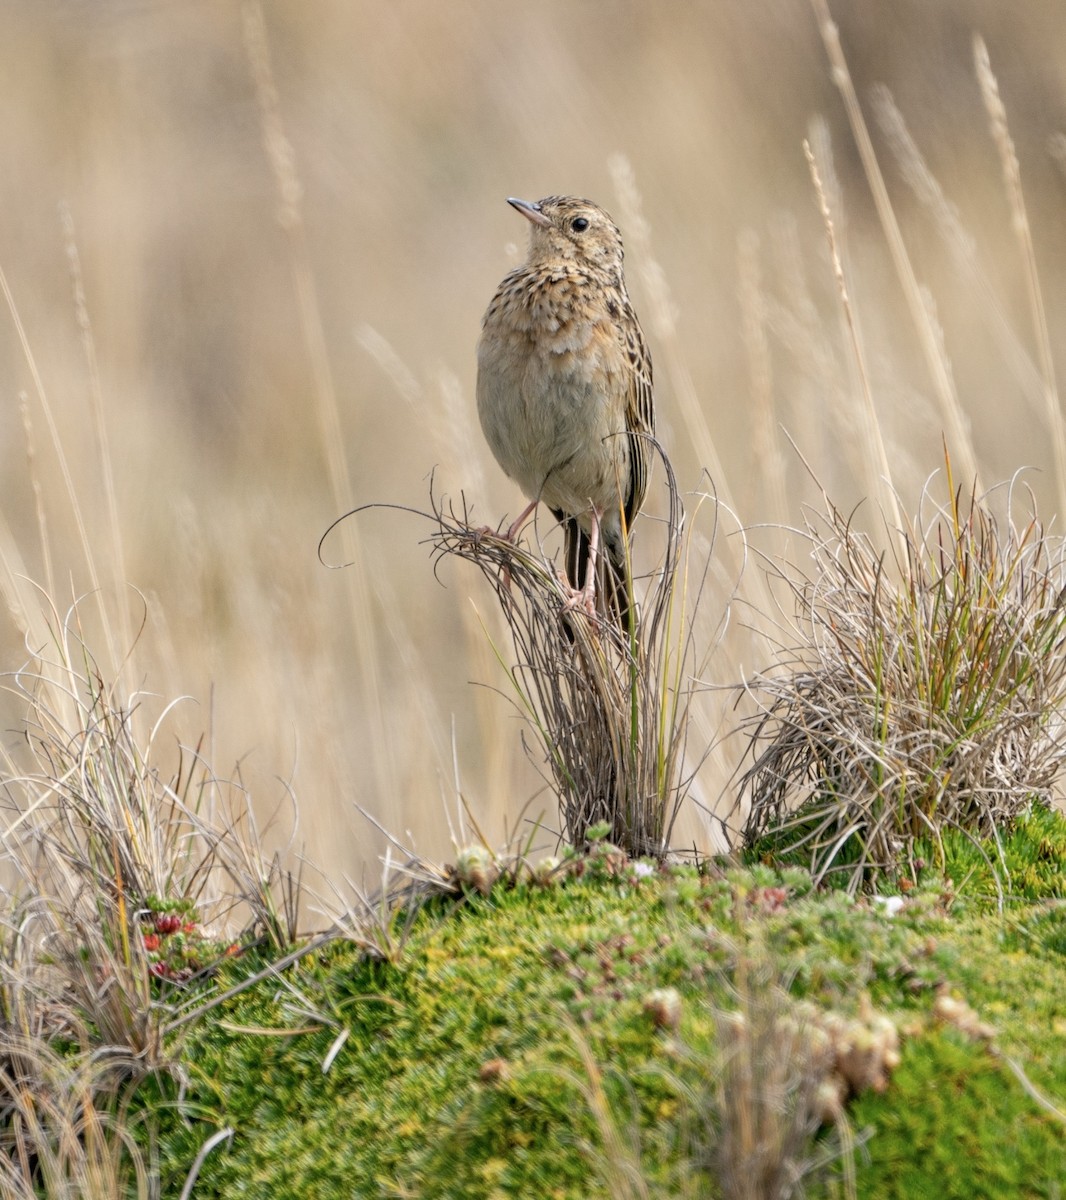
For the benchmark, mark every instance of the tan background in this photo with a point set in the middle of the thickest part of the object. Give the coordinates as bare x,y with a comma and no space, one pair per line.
219,329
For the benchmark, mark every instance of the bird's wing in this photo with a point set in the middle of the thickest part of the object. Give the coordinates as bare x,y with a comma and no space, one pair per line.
640,412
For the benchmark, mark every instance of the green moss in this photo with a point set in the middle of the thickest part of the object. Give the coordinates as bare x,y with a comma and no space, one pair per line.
1029,860
1026,861
955,1123
463,1076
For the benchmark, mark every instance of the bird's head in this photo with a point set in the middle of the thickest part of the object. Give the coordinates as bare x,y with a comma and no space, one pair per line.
574,231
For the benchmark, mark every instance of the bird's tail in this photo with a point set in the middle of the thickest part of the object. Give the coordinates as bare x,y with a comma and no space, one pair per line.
612,591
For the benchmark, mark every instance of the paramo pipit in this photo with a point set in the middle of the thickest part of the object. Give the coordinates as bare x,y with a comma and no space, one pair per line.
564,391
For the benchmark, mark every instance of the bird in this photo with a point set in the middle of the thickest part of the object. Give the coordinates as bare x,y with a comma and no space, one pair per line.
564,393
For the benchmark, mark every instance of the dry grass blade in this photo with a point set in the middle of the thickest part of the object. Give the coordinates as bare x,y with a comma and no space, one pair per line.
951,411
927,189
617,1160
281,156
103,449
877,466
753,305
1012,175
775,1087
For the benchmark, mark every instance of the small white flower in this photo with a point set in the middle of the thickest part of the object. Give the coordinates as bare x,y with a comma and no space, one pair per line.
891,904
642,870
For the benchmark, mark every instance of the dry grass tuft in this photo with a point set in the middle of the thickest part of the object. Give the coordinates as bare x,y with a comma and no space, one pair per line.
123,883
57,1139
609,709
913,694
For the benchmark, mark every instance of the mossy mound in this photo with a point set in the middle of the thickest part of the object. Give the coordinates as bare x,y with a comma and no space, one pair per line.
514,1034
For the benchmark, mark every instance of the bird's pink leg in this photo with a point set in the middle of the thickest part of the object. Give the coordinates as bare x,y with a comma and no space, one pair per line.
585,596
588,592
520,520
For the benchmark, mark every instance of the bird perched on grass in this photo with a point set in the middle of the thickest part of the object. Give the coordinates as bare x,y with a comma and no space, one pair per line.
564,392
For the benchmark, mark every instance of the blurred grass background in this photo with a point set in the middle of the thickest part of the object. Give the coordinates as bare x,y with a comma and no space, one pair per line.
224,317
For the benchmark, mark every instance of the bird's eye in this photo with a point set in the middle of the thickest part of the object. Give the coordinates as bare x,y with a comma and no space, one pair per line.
579,224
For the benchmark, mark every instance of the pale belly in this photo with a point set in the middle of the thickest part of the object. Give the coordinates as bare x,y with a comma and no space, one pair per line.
548,420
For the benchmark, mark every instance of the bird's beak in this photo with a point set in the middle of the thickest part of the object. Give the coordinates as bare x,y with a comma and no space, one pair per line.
530,211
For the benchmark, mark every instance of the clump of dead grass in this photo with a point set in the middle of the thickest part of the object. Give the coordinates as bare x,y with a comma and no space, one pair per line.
916,691
100,838
59,1139
607,707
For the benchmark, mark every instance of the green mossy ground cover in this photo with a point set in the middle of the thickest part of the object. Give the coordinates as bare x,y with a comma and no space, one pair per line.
1028,861
465,1069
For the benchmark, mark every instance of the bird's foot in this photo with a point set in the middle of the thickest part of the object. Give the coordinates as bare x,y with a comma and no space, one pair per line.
582,599
510,534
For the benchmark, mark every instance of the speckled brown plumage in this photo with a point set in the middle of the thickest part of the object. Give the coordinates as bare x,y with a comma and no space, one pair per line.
564,389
